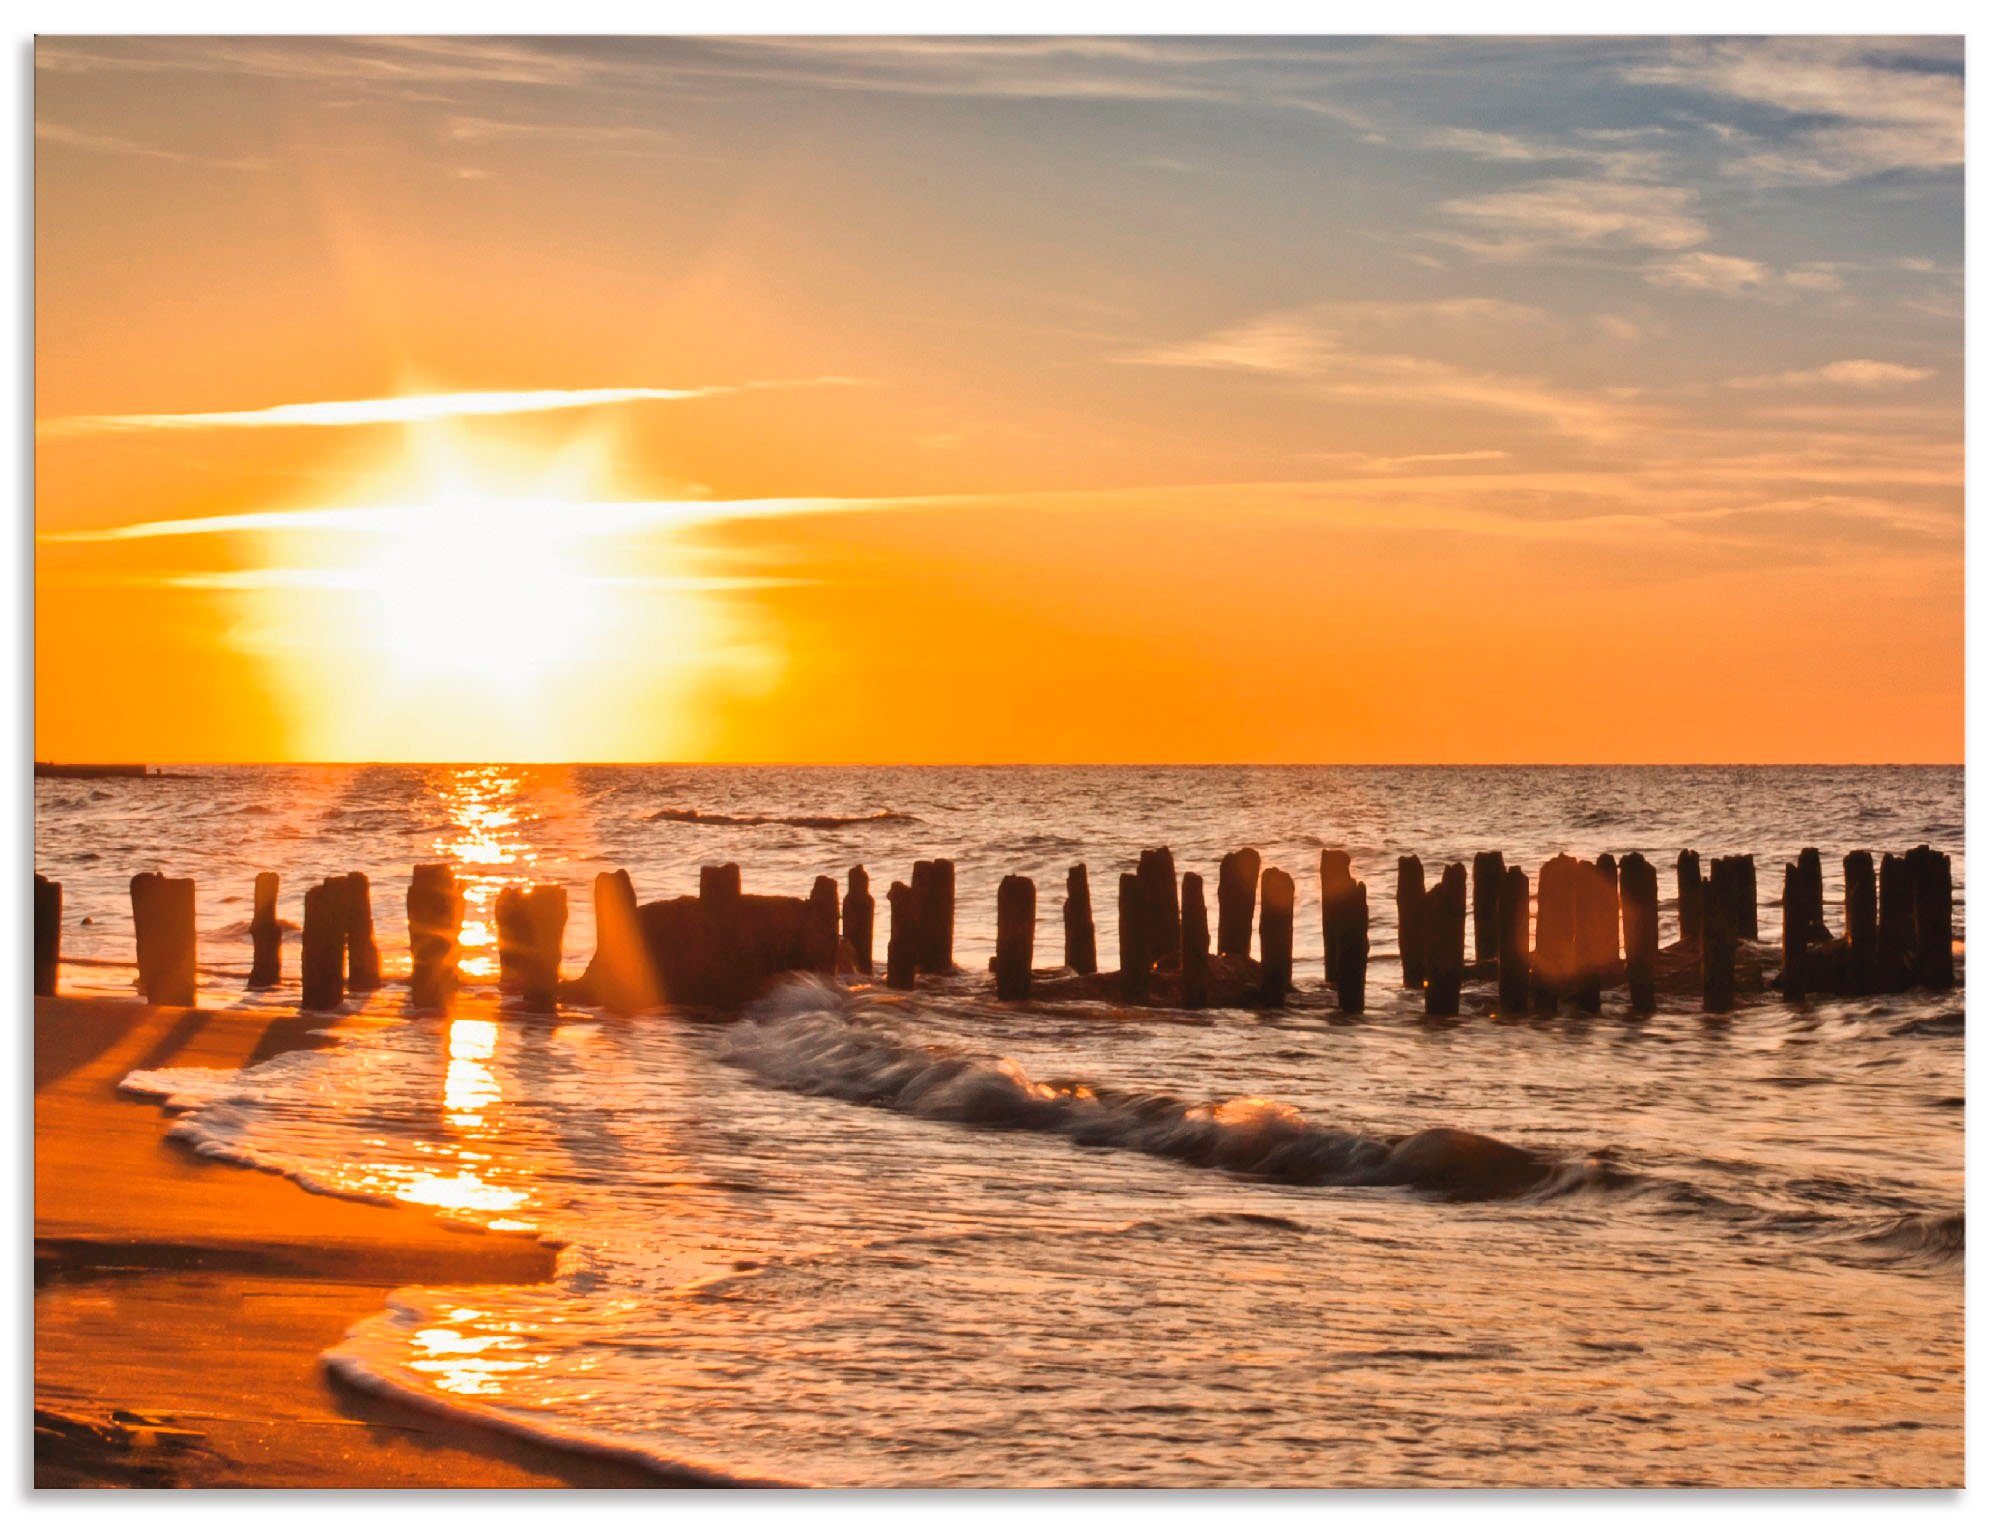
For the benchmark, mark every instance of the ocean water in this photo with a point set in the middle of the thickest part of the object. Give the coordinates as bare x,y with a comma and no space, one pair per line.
856,1238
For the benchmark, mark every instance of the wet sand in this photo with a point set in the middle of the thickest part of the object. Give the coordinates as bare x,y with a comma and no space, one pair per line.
181,1305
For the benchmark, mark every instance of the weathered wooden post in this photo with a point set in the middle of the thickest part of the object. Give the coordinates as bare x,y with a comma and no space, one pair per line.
901,969
1014,938
1556,959
1274,935
1444,941
1718,943
1930,885
1896,925
1687,896
364,961
267,938
1135,961
1487,868
1079,927
322,945
48,934
1335,873
1410,919
1792,974
857,920
1858,873
1812,888
1513,952
1596,929
1742,886
935,889
1194,944
436,906
1236,901
620,975
545,913
1160,890
163,930
1639,909
822,930
1344,924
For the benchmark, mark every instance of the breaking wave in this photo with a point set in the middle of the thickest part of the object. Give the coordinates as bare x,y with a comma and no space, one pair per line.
813,1039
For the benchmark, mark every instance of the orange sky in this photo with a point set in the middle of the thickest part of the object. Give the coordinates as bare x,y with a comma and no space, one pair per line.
888,400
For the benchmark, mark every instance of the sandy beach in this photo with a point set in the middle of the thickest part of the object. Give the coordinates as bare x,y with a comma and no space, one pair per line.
181,1305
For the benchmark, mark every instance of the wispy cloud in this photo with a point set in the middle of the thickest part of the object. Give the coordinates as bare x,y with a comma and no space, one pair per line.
1864,375
423,407
1343,350
104,142
1593,212
584,518
1852,106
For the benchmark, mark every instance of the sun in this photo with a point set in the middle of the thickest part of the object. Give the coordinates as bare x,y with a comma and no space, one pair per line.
491,577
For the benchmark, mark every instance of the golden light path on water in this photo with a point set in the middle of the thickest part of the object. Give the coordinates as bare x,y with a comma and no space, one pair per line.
469,1178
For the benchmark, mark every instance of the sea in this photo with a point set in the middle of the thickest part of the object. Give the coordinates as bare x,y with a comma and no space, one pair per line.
852,1237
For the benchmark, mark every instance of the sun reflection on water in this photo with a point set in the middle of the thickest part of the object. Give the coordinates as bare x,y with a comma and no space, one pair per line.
489,847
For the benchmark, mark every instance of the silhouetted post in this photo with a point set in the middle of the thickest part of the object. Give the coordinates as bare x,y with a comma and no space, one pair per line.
364,961
721,883
1740,881
1335,873
1410,920
1194,943
267,938
322,945
163,929
1014,938
1687,895
620,976
1639,908
857,920
436,907
1513,953
530,922
1444,942
1746,898
1930,884
1161,893
822,933
1274,935
1596,929
935,887
901,972
1135,961
1349,974
1795,916
1718,944
1812,888
48,933
1556,959
1079,928
1858,871
1896,925
1236,901
1487,867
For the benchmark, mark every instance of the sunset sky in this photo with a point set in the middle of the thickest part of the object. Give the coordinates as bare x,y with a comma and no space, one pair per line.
922,400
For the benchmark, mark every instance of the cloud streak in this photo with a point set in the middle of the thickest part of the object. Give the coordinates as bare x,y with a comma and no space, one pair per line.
424,407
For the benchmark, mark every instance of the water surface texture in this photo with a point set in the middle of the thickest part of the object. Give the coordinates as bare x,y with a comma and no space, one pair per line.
854,1238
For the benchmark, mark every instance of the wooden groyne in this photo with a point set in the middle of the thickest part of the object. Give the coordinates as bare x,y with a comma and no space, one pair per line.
1562,939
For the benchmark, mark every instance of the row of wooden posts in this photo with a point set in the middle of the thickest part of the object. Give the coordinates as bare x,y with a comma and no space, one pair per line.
720,946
